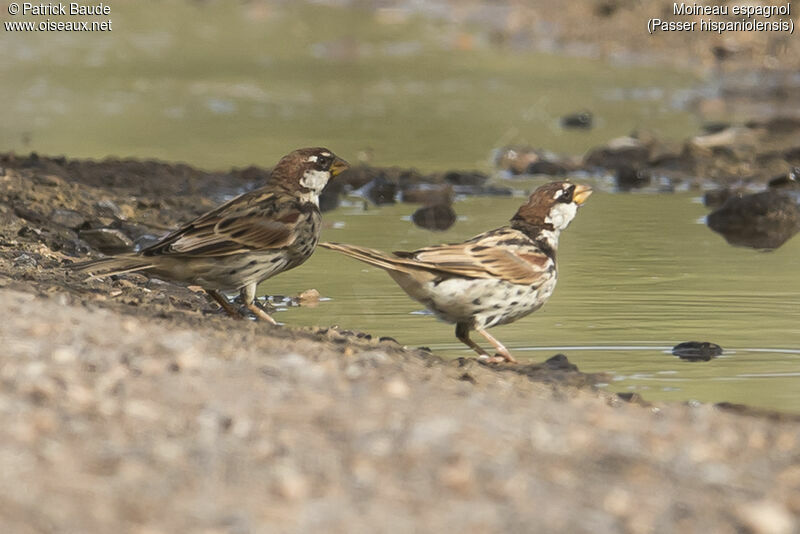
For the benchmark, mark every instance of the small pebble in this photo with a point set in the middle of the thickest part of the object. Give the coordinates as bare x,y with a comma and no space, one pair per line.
64,354
106,239
290,484
696,351
766,517
397,388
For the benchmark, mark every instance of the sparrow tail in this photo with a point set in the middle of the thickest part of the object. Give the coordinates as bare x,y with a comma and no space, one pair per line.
367,255
113,265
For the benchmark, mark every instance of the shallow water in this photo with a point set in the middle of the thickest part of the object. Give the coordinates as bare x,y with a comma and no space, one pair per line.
638,274
235,83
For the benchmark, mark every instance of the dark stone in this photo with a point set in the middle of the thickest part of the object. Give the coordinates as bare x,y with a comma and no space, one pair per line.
560,362
466,377
106,208
330,197
777,125
723,53
556,370
471,178
25,261
145,240
697,351
790,180
496,191
67,218
548,167
581,119
763,220
436,217
29,215
516,159
381,191
629,177
605,9
107,240
618,153
406,178
718,197
715,127
358,176
761,413
793,155
32,160
631,397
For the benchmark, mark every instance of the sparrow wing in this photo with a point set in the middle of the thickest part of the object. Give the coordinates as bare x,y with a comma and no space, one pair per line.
503,255
254,221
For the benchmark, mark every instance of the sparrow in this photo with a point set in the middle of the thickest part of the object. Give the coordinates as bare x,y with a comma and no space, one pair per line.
494,278
243,242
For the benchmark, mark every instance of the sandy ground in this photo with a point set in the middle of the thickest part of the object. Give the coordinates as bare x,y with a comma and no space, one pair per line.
121,423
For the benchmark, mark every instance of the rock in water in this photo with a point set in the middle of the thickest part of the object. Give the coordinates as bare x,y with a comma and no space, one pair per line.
763,220
436,217
697,351
581,119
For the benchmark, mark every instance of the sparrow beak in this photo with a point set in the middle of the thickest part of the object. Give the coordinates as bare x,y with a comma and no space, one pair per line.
581,193
339,166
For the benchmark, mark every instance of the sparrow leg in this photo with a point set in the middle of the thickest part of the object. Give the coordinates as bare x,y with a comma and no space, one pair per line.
248,294
505,356
462,333
224,304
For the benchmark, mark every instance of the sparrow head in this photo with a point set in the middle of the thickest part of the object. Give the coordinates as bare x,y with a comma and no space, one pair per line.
308,170
553,206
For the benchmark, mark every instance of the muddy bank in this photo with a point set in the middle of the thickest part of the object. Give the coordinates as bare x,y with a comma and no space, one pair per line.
80,207
724,155
135,406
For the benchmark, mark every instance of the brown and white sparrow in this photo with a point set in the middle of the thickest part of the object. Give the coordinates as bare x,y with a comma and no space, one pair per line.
494,278
244,241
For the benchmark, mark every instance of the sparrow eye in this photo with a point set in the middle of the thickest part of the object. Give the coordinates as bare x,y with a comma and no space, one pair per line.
324,162
566,196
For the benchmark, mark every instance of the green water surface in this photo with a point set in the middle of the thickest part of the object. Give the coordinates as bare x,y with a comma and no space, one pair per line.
224,83
638,274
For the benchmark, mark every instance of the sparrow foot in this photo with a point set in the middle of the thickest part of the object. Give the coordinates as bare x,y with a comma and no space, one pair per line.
497,358
502,352
261,314
225,305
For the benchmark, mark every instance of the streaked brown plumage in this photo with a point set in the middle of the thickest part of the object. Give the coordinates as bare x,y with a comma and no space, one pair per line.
244,241
494,278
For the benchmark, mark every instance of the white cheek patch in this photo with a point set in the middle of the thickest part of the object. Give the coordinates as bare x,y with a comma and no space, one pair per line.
315,180
312,159
561,215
